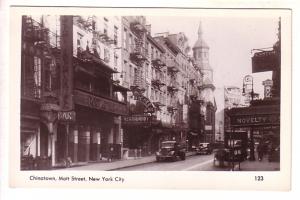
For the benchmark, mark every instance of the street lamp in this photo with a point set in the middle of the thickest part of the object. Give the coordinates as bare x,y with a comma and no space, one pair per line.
248,80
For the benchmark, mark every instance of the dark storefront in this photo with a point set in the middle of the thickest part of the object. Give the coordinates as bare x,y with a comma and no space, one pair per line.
262,122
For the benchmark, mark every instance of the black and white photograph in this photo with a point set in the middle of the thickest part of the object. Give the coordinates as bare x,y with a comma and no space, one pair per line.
112,91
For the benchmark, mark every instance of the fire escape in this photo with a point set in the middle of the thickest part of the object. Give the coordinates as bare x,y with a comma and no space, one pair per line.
39,68
38,40
138,55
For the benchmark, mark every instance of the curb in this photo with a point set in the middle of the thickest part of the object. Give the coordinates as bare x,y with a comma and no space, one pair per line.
146,162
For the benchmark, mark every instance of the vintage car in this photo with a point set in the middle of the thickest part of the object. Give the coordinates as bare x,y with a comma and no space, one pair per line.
171,150
204,148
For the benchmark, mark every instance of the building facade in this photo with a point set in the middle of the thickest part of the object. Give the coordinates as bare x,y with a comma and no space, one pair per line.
77,104
102,87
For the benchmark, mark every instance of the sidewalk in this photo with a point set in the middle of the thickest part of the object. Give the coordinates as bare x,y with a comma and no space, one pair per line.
118,164
256,165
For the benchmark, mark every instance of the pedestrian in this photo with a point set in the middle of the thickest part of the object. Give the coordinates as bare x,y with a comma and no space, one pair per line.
260,151
111,151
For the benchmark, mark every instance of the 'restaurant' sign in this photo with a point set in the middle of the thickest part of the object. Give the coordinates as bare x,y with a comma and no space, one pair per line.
66,116
99,103
250,120
138,119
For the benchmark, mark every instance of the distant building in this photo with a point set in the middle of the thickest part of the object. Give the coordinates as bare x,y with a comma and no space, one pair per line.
232,97
268,84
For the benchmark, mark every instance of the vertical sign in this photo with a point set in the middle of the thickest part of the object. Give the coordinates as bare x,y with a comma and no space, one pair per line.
185,113
66,33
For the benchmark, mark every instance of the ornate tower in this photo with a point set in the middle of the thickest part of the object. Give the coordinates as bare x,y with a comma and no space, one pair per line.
208,106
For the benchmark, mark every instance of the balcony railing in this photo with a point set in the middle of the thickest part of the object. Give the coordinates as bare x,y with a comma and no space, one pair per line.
159,62
96,91
157,83
36,33
103,37
138,53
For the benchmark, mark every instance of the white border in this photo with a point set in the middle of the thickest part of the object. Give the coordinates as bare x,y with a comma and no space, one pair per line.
169,180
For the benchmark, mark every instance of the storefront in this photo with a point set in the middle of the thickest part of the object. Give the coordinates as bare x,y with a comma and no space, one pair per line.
261,121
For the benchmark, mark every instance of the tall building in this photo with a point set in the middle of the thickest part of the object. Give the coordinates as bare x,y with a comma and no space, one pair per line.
71,107
208,107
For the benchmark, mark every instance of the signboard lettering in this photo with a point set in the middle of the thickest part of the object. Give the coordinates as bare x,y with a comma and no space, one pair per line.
255,119
137,119
66,116
100,103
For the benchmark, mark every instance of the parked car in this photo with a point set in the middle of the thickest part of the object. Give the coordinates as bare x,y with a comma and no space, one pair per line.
171,150
204,148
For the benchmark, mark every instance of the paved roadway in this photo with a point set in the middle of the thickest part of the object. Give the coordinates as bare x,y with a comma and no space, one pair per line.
192,163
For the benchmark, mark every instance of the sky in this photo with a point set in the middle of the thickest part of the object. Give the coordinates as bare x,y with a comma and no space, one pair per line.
231,40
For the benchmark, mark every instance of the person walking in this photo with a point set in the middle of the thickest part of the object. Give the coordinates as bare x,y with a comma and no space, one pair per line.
260,151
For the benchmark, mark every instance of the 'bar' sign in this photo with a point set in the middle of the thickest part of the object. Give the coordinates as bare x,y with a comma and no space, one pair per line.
66,116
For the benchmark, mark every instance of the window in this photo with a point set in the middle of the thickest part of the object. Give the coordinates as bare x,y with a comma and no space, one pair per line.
79,40
147,48
152,53
106,55
37,77
115,35
105,27
125,39
94,25
115,59
131,43
146,70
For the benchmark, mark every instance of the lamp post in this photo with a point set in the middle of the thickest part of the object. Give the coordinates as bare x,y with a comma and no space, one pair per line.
248,80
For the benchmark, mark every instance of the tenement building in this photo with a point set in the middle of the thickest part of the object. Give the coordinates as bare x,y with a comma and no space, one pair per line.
71,106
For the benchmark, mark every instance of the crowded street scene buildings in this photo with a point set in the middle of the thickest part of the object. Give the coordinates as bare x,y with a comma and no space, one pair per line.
105,87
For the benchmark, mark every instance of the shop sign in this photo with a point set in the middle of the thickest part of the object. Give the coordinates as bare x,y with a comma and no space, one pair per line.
264,61
247,120
137,119
100,103
208,127
66,116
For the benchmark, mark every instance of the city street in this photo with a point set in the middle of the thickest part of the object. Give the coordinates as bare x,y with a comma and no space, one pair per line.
192,163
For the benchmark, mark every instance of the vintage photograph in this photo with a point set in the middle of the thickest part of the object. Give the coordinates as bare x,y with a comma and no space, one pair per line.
150,93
